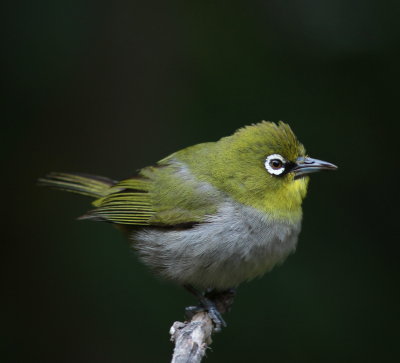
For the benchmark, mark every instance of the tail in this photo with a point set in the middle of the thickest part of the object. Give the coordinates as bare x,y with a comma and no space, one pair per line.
90,185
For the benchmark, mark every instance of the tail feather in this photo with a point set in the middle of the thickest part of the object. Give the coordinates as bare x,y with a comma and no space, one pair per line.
85,184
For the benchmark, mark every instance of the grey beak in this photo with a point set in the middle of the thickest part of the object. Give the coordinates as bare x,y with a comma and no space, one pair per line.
306,165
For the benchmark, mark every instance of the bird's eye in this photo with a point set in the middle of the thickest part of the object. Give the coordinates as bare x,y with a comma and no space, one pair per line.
275,164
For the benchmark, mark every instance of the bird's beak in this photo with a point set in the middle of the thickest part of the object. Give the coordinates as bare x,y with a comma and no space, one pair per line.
306,165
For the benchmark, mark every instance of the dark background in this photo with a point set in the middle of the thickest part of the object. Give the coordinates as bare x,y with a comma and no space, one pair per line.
110,87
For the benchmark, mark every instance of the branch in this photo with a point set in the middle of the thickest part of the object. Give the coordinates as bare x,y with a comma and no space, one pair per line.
191,338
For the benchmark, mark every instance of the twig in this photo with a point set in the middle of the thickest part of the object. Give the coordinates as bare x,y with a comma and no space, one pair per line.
191,338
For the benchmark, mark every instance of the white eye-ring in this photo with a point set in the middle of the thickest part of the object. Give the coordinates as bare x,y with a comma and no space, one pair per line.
275,164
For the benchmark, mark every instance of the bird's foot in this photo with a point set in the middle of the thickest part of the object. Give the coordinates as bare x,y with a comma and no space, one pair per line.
208,306
214,303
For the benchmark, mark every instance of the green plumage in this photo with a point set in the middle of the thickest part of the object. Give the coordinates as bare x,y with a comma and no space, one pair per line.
164,195
214,214
125,202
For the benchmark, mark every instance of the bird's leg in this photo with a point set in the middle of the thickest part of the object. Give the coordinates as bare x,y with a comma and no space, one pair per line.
223,300
205,305
214,302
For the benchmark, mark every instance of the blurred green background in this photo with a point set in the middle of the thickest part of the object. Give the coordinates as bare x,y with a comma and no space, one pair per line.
108,87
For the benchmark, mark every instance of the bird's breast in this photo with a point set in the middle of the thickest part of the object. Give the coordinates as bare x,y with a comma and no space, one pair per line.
236,244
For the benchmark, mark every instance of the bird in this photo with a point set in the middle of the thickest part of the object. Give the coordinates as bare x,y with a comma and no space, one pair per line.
210,216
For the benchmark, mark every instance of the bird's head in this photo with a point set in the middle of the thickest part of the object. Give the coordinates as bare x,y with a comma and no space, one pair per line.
264,165
284,156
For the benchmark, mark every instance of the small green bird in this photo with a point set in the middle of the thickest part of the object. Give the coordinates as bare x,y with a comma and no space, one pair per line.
212,215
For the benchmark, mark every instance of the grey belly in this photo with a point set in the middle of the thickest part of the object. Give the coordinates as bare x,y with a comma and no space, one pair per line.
237,244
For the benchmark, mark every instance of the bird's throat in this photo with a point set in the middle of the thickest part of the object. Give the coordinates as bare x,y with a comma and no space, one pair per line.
285,203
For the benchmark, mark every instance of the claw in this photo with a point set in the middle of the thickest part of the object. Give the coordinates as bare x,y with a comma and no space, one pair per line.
217,319
209,307
213,303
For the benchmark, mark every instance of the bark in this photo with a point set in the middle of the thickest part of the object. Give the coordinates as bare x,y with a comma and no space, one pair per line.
191,338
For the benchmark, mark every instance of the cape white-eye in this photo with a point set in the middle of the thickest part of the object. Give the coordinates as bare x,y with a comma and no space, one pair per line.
212,215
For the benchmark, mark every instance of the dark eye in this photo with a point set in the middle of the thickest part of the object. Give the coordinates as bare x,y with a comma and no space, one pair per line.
276,164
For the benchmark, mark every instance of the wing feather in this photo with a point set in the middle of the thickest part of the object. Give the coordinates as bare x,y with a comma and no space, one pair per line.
128,202
165,195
